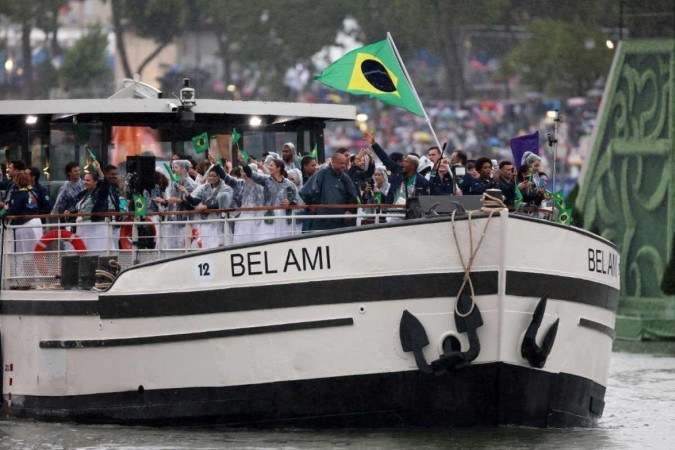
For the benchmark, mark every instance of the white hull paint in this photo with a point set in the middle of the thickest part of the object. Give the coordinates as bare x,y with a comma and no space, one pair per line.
46,362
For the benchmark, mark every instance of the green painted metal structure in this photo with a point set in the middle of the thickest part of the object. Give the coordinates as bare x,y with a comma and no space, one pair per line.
628,189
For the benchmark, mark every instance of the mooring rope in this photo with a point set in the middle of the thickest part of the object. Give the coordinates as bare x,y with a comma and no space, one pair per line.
490,205
105,278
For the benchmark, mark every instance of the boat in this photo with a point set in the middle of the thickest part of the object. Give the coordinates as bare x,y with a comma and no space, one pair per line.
471,316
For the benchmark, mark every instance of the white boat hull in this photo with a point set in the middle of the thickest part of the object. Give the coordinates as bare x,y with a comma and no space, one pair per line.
305,331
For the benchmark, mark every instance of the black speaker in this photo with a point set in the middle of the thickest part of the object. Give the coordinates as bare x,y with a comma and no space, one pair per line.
88,266
70,271
144,169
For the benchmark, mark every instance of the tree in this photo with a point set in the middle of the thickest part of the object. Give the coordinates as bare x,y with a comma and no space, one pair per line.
560,58
160,20
261,37
436,25
32,14
24,13
85,72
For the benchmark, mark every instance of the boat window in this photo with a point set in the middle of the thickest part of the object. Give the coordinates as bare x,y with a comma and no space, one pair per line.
258,142
69,142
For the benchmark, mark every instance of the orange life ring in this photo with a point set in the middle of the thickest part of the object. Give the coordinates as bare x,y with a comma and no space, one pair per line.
125,234
63,235
196,240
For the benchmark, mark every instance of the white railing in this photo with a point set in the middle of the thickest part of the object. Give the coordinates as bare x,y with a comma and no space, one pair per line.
33,256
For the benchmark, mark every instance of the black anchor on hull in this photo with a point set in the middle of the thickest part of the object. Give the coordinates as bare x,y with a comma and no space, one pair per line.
414,338
529,350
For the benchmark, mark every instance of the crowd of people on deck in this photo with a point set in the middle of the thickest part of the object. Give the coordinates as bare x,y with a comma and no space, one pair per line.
194,190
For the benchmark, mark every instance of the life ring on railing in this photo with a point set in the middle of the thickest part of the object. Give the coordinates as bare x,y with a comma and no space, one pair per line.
63,235
47,239
196,240
125,234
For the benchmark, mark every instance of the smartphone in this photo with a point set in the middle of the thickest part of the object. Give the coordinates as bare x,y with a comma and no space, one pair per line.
460,171
495,164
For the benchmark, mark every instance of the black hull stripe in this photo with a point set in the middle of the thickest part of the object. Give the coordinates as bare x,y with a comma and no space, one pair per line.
604,329
527,284
324,292
49,308
310,325
478,395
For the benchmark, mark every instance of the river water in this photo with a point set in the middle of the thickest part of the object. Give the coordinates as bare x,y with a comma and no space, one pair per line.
639,413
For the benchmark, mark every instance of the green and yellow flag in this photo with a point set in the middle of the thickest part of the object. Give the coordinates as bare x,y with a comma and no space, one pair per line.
565,216
314,153
244,155
201,142
140,206
559,200
373,70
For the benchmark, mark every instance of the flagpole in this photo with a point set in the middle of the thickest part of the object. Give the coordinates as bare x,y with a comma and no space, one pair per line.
412,85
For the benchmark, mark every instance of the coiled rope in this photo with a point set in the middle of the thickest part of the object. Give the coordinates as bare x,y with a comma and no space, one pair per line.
104,278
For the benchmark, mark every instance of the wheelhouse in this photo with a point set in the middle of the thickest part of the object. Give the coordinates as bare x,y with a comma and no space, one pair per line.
50,133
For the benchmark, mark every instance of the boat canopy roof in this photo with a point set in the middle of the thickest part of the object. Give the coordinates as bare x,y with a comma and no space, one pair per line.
282,111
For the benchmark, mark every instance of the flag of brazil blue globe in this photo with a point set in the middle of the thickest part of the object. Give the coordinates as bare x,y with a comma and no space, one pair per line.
373,70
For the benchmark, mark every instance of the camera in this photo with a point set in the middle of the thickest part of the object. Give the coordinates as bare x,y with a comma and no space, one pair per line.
172,106
187,94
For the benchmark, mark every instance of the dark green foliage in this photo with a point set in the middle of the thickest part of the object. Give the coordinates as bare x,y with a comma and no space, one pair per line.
85,72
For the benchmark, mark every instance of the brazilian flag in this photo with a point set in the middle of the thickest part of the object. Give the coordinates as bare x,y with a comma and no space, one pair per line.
201,143
565,216
140,206
314,153
559,200
373,70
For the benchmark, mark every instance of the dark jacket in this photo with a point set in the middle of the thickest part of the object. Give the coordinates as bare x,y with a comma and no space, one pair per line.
23,202
100,197
479,186
326,187
42,194
508,191
442,185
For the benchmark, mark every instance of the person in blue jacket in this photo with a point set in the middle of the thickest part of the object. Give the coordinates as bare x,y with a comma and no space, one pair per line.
24,203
